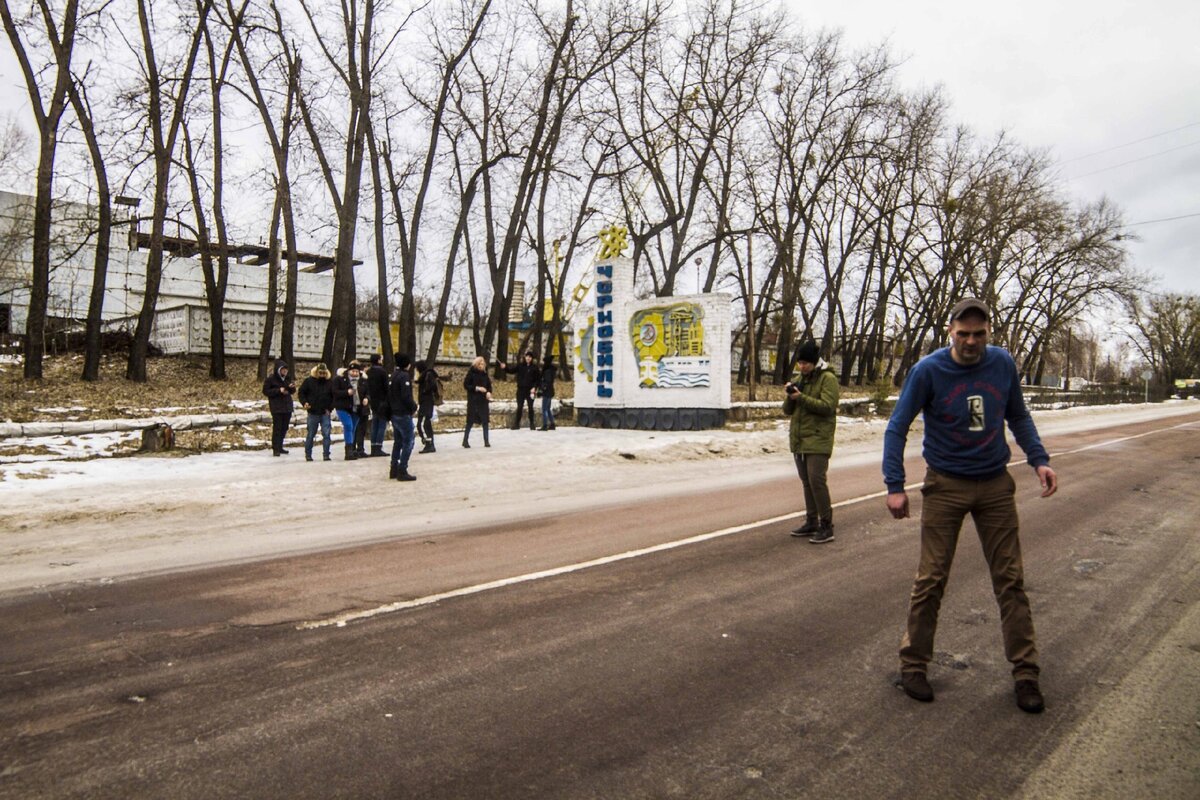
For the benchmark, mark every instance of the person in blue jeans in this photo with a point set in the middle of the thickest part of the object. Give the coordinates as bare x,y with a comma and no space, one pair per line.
347,402
316,395
402,406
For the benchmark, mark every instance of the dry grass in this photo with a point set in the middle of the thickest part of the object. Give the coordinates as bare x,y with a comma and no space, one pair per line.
178,385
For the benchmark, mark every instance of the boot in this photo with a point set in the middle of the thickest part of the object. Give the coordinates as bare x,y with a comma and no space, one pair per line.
394,473
808,528
377,450
552,426
403,475
308,455
465,442
349,453
327,457
429,448
825,534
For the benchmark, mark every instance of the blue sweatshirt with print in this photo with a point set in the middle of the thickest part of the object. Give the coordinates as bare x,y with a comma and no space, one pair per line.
964,408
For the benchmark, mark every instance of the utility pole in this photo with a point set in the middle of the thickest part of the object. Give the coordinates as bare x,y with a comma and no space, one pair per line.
1067,370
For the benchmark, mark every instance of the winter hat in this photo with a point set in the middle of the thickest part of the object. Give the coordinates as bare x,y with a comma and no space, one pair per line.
808,352
355,364
320,371
548,360
403,361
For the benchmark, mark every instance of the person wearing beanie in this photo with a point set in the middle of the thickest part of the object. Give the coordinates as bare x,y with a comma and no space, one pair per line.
316,396
546,390
278,388
429,396
402,406
812,403
377,392
967,393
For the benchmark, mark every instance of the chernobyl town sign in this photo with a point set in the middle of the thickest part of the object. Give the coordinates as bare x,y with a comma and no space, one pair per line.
660,363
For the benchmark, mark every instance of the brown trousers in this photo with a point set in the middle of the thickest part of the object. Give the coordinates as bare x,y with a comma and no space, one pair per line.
993,508
813,469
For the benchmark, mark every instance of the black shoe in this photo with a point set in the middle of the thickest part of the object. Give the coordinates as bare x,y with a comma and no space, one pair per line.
283,452
404,476
276,453
394,473
552,426
327,457
1029,697
487,444
377,451
308,456
916,686
465,444
825,534
428,448
807,529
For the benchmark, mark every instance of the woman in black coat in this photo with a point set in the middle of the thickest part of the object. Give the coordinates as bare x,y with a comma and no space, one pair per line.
428,391
278,389
479,395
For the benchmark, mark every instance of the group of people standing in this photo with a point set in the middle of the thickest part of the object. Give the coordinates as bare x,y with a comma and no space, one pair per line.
368,401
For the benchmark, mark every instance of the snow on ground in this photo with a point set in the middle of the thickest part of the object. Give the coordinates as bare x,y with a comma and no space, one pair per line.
105,519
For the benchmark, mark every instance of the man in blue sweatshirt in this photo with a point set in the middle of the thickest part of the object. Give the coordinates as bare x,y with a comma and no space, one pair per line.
966,392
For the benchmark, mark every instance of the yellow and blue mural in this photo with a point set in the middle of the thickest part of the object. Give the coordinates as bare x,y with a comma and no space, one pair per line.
669,344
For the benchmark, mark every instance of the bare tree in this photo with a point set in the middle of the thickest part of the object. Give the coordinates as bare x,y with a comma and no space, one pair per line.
1166,333
48,98
354,59
164,131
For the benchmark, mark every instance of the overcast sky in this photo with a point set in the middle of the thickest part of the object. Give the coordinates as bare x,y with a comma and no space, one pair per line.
1110,87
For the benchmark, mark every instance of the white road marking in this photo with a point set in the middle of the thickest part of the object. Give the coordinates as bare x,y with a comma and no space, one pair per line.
342,620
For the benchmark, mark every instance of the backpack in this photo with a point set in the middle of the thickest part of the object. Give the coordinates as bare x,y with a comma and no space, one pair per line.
437,390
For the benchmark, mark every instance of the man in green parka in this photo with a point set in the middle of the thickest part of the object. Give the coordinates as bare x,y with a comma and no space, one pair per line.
812,403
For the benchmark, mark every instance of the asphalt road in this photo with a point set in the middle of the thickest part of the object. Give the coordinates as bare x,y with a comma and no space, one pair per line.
747,664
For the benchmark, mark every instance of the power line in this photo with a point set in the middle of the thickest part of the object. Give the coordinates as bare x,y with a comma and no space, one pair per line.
1135,160
1163,219
1130,144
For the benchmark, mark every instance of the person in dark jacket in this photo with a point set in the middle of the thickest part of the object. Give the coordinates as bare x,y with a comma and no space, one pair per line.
377,392
528,376
546,392
479,396
278,389
402,405
428,393
363,423
812,403
347,402
316,395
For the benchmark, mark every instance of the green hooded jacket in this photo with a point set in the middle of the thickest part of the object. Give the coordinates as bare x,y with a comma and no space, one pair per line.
813,412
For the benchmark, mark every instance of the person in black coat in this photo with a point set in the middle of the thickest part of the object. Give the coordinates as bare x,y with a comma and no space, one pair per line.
429,392
278,389
316,395
377,392
363,423
347,402
528,376
402,405
546,392
479,395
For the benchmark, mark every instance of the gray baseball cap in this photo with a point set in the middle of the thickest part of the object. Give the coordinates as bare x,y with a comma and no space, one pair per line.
970,304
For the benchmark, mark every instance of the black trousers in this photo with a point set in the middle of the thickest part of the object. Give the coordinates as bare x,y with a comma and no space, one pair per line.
425,424
279,425
522,402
